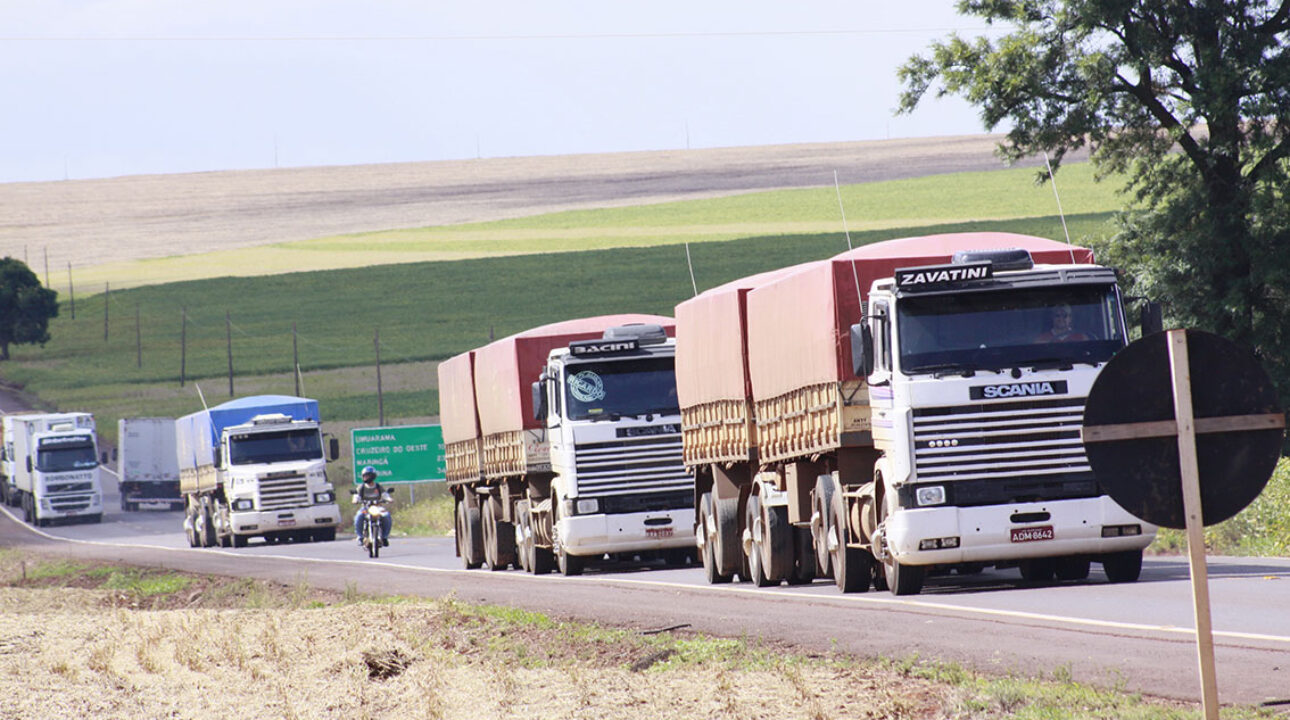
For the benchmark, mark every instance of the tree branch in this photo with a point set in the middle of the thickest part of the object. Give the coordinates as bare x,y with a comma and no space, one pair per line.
1142,91
1275,155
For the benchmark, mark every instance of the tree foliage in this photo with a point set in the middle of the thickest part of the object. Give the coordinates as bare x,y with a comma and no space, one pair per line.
25,306
1191,101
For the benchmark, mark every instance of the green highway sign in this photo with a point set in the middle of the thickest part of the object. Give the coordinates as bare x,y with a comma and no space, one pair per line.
403,454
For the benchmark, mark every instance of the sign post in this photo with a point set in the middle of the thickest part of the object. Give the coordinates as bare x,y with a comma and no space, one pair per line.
402,454
1185,456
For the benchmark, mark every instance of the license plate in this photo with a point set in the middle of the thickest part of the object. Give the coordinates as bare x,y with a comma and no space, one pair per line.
286,523
1032,534
659,532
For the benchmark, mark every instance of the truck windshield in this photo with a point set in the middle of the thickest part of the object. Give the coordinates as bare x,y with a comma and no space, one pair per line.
1050,326
64,457
250,448
618,388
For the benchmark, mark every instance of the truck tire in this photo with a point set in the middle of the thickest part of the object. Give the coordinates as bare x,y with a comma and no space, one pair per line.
852,567
499,536
708,526
523,537
470,540
325,535
901,579
239,541
190,527
534,559
1122,567
804,562
770,549
568,565
206,525
727,549
26,510
821,520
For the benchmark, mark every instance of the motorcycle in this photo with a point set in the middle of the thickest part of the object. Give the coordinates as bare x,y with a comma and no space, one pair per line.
370,525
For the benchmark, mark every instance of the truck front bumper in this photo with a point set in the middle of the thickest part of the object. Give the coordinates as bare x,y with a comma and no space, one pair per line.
51,507
631,532
986,534
312,517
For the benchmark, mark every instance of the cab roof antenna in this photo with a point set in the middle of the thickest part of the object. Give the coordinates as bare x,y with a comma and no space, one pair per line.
1053,179
690,264
855,275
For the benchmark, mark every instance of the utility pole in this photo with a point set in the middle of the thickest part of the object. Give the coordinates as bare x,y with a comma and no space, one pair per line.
295,358
228,329
380,397
183,344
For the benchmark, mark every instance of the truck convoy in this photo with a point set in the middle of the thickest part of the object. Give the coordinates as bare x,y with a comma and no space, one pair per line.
148,466
52,465
563,444
255,467
905,408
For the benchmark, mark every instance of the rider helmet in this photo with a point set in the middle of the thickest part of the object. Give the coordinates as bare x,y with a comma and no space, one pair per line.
369,473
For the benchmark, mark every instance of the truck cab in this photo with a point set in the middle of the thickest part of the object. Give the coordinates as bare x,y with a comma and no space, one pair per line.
978,373
274,480
614,430
55,466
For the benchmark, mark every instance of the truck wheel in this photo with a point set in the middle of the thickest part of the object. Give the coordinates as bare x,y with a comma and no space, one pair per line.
26,510
1038,569
1072,567
499,536
190,528
325,535
1122,567
523,535
239,541
803,571
821,523
761,543
901,579
568,565
852,567
470,541
206,525
726,548
708,526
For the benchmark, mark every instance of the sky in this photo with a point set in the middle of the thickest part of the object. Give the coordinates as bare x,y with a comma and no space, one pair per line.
104,88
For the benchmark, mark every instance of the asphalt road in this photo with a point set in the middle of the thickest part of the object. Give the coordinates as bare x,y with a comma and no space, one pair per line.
1133,636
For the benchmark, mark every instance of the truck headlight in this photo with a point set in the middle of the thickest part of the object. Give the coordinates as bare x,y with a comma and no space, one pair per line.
323,498
243,505
930,495
588,507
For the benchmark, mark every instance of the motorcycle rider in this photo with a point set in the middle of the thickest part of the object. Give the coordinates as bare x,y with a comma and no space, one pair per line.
370,490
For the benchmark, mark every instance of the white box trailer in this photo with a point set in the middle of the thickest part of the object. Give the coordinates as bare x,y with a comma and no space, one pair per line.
148,466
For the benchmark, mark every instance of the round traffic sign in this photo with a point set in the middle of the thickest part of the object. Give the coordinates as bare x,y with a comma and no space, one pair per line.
1131,434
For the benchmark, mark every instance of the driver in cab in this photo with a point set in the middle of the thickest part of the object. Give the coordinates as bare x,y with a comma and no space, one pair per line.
1060,327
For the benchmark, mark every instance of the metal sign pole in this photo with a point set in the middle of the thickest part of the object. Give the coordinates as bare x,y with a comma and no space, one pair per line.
1187,460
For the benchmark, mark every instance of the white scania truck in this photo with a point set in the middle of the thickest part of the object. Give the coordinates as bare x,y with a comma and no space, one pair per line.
564,445
53,462
906,408
255,467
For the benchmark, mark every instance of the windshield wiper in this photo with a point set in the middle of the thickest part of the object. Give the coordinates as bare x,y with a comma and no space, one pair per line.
940,370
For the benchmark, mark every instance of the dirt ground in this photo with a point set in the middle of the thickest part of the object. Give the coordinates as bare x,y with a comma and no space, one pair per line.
93,222
80,646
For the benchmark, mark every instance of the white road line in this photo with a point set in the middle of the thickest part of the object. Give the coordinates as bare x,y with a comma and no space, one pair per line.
722,589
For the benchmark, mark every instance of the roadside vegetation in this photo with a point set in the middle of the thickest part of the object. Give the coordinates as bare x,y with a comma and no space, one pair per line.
111,641
1262,529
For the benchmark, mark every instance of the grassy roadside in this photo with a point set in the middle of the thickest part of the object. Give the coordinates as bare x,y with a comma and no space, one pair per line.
128,642
1262,529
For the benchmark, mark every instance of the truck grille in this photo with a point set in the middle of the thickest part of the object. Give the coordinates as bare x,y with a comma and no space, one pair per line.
289,491
54,488
649,464
69,503
1032,439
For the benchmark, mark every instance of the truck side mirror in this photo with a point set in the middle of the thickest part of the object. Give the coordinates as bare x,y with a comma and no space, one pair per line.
28,463
333,449
1152,318
217,457
861,350
539,400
